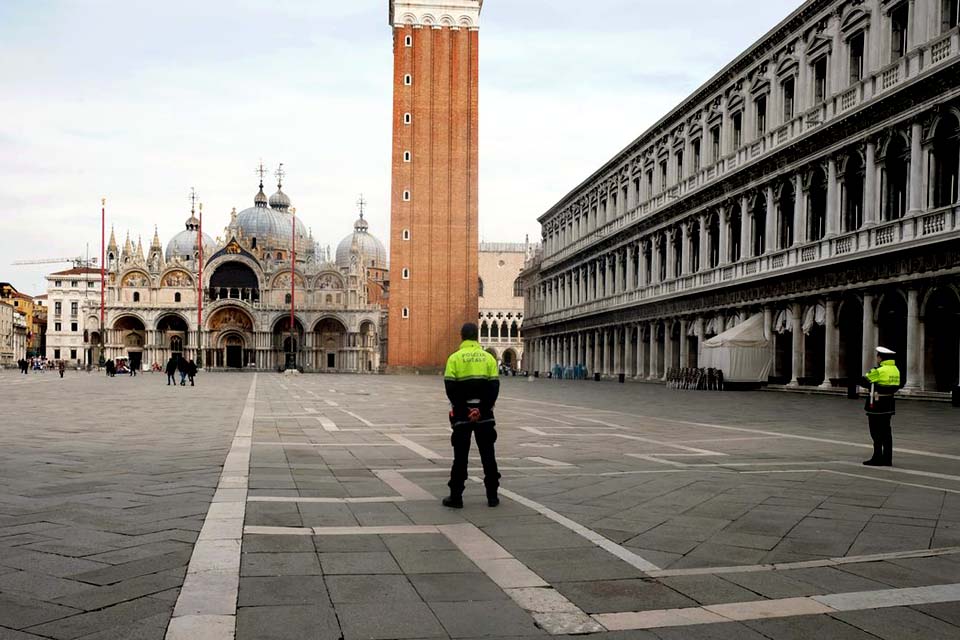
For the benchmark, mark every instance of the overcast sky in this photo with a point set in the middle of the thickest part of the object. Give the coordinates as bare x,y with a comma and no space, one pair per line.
140,100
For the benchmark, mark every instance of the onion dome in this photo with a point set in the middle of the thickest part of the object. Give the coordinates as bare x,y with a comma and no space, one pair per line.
260,200
372,251
184,244
280,200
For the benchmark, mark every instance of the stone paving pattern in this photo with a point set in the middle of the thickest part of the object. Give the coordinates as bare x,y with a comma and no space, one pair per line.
100,506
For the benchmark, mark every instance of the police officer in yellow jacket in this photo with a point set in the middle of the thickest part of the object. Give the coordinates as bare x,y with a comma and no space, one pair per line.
883,381
472,386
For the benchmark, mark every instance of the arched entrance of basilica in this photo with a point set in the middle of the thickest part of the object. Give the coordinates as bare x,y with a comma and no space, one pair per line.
329,341
129,339
287,348
172,337
232,339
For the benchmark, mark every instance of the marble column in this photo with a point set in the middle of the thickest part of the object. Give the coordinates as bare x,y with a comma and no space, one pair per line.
831,350
724,236
606,352
631,282
916,168
652,372
654,259
704,249
618,273
833,199
797,335
746,219
627,349
770,229
684,249
799,222
617,354
914,355
597,351
671,261
870,186
641,354
667,349
684,345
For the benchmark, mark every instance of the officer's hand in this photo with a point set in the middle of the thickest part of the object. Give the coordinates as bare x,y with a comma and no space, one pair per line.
473,415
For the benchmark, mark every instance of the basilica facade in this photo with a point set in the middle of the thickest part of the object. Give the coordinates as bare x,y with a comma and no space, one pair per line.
228,304
812,181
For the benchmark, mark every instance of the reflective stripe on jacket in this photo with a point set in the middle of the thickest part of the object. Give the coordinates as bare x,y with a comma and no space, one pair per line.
885,381
471,381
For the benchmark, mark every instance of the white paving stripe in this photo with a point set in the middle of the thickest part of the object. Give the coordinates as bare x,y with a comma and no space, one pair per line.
548,462
359,418
312,500
858,445
207,604
608,545
331,403
406,488
779,608
413,446
327,424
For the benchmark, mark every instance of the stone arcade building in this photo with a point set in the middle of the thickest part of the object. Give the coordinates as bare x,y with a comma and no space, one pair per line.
152,310
814,180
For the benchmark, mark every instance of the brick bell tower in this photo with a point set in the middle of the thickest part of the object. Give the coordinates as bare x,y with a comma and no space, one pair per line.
433,216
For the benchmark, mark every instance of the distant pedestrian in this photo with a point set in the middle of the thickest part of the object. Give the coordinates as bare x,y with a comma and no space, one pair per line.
61,367
171,370
883,381
191,370
472,386
111,367
183,369
133,368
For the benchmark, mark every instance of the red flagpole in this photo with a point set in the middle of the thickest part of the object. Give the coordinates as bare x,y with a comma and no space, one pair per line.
103,270
200,288
293,278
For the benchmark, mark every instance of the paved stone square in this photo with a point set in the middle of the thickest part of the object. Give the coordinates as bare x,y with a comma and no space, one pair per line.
308,507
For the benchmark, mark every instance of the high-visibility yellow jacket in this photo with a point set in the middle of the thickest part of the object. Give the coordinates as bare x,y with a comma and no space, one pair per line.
471,381
885,381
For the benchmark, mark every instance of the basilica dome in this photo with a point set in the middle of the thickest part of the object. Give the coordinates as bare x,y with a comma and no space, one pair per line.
373,252
271,227
184,244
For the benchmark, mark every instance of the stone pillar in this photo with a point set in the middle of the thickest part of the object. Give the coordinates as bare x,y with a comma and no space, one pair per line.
667,349
617,274
916,168
642,261
833,199
606,352
617,354
654,259
831,350
704,249
746,250
684,249
671,261
652,372
641,354
870,186
597,351
799,200
627,349
684,345
914,354
631,281
724,236
797,334
588,351
770,229
701,333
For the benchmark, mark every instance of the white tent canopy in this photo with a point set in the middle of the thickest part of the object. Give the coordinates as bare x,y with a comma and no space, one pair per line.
744,353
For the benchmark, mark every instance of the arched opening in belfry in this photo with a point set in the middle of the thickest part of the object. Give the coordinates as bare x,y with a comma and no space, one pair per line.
234,280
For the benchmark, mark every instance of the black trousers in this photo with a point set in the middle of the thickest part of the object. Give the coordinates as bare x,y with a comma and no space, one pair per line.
882,436
486,435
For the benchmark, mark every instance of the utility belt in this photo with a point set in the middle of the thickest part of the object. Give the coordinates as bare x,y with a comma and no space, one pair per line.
472,416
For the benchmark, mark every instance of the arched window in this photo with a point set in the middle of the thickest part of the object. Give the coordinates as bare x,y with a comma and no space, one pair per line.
495,330
514,330
945,162
785,212
136,296
817,206
896,172
484,330
176,344
480,286
736,221
853,181
177,297
517,288
287,298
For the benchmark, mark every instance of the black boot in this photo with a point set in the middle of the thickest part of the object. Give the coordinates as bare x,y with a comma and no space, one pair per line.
454,502
492,500
874,462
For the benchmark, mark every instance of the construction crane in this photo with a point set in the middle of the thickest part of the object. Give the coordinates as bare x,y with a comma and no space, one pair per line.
77,261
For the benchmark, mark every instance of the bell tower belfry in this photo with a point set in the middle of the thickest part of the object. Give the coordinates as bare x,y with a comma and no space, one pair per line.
434,206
